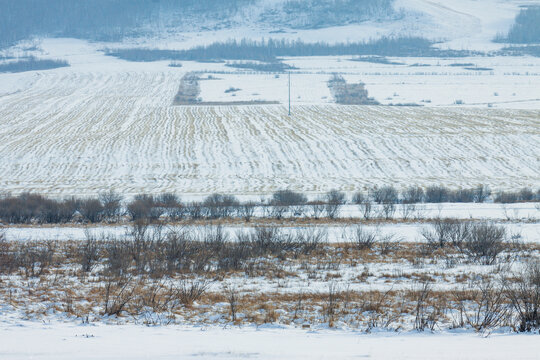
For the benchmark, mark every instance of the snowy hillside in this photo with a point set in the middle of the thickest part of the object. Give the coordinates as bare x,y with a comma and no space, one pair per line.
470,24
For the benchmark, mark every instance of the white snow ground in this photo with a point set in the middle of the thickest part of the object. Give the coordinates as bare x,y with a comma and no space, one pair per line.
67,341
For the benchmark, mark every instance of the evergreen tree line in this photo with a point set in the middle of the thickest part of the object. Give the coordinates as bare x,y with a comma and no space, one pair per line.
526,28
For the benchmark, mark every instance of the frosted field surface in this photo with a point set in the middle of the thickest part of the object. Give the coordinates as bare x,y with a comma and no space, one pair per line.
62,341
72,140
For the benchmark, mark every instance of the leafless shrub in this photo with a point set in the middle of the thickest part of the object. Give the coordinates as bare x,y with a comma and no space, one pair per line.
309,240
331,303
462,196
523,195
190,291
376,305
407,210
247,210
425,315
233,298
358,198
388,210
485,242
220,206
33,208
89,252
285,200
385,195
436,194
118,257
157,297
176,251
388,243
364,239
171,205
487,307
144,207
35,258
334,200
91,209
7,257
524,294
119,292
447,231
214,237
194,210
481,193
317,208
413,195
366,209
112,205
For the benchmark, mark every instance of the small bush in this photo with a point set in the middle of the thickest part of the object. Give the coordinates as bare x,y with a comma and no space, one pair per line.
288,198
437,194
485,242
334,200
524,293
220,206
385,195
413,195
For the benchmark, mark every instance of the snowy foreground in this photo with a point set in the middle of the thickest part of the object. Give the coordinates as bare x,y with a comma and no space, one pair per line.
67,341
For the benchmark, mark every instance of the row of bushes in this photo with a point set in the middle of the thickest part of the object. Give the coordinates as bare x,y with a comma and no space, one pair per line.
149,256
151,251
111,207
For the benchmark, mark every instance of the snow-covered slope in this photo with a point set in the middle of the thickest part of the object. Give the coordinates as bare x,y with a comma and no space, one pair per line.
459,24
86,129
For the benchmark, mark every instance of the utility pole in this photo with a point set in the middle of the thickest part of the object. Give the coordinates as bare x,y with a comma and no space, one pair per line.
289,93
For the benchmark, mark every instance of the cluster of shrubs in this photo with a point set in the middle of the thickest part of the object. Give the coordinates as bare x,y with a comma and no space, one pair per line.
111,207
127,267
150,250
523,195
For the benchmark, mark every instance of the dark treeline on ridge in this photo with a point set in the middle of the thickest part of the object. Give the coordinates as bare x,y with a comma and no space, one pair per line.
269,50
111,20
98,19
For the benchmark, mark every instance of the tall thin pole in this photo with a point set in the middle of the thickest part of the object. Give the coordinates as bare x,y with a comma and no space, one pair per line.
289,93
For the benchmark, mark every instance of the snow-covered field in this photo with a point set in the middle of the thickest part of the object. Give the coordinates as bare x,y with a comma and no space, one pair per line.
67,341
105,123
90,128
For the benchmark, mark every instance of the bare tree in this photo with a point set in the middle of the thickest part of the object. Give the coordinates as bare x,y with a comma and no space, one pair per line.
334,200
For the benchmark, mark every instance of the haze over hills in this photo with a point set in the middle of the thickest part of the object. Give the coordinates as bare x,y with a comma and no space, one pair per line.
463,24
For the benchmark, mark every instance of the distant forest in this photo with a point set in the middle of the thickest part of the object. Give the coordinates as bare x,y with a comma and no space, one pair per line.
269,50
97,19
321,13
31,64
526,28
110,20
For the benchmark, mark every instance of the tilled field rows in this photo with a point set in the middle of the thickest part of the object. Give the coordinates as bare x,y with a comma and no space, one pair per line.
85,133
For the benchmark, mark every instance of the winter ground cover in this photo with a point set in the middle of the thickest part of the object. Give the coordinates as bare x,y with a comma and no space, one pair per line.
68,341
296,288
210,293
